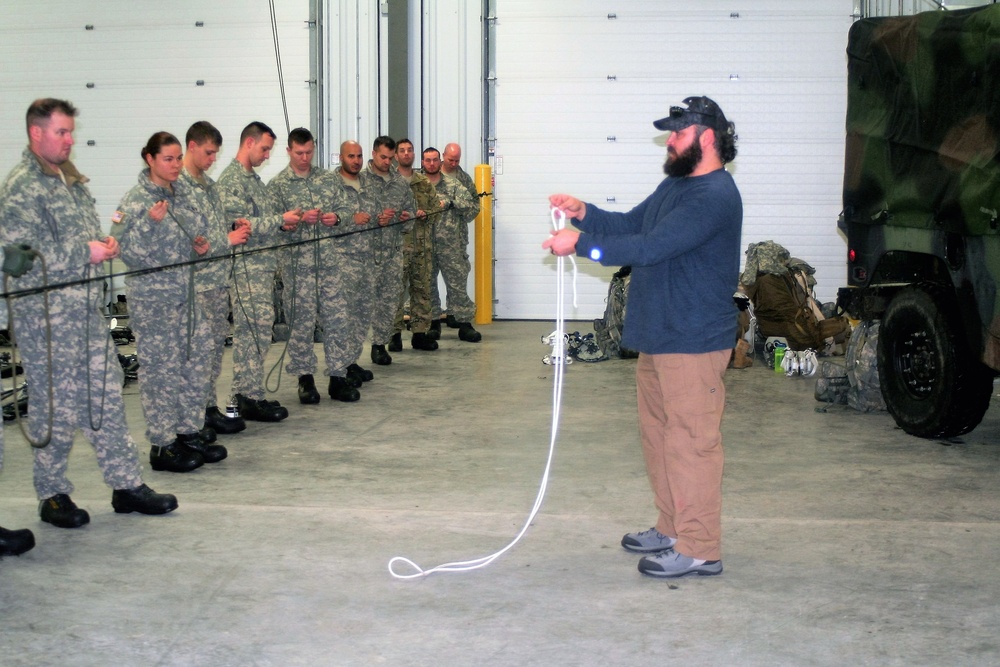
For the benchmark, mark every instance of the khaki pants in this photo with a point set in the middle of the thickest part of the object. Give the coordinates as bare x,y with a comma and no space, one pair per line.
681,398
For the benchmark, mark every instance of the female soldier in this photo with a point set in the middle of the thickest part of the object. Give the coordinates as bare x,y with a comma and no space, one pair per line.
156,228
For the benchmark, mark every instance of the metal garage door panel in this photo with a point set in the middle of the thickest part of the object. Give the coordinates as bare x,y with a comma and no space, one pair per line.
576,93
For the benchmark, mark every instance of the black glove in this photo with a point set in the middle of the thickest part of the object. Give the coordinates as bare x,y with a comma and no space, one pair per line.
18,259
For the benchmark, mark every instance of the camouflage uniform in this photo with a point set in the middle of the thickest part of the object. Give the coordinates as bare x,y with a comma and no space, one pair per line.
451,241
59,219
212,278
346,286
170,328
300,264
245,196
418,258
391,191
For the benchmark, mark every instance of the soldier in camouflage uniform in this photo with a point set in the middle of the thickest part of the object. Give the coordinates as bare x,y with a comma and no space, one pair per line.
245,196
212,277
418,256
395,201
45,203
301,185
157,225
346,281
16,261
451,240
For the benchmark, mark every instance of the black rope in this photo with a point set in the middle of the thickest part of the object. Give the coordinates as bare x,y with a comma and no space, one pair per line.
277,61
13,363
31,291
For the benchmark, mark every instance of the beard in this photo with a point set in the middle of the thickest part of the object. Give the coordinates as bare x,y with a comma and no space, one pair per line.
681,165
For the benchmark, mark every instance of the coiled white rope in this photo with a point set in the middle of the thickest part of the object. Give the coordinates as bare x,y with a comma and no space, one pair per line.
558,351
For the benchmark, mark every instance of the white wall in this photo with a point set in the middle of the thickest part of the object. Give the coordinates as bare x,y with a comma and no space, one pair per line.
144,60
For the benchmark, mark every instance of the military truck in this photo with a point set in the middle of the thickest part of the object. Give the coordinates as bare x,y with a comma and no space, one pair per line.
921,199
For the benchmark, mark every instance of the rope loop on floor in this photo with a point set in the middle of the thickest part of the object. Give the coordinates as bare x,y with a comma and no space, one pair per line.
558,341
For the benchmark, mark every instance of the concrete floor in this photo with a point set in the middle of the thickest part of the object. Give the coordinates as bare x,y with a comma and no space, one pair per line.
846,541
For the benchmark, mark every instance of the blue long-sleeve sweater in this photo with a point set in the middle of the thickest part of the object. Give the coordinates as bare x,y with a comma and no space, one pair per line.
683,243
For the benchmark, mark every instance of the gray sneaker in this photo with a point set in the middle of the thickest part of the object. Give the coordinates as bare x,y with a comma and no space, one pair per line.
672,564
649,541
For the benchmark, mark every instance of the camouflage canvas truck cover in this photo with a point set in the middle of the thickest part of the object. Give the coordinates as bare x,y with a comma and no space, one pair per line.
921,199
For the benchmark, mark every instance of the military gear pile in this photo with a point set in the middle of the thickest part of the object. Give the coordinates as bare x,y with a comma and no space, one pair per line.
781,289
854,380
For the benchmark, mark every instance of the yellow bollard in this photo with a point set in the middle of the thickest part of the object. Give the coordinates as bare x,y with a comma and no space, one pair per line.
484,246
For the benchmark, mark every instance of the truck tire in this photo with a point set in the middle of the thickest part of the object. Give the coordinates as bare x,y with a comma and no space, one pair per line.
933,384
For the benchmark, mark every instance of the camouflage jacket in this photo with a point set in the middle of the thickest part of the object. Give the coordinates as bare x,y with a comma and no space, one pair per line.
57,219
205,198
350,238
317,190
425,197
244,195
469,184
146,243
393,192
459,206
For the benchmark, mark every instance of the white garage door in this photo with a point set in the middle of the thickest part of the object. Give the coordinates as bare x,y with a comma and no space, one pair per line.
133,69
579,83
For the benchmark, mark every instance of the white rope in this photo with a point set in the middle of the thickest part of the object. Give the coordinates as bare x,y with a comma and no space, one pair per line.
559,352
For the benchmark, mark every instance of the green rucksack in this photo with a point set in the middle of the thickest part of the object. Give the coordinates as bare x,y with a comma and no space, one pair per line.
608,329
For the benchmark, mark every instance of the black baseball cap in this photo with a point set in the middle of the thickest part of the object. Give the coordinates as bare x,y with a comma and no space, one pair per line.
699,111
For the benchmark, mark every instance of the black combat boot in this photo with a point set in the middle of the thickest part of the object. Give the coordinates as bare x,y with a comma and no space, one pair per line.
341,390
16,542
61,511
142,500
209,453
355,372
396,344
260,411
174,458
380,356
435,331
467,333
222,424
308,394
422,341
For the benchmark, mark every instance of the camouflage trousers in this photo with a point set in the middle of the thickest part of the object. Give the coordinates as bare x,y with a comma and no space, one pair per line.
451,258
302,299
387,289
418,262
345,310
253,319
173,345
85,390
214,303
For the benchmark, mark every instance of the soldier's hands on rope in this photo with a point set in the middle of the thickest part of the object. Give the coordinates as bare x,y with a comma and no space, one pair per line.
101,251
